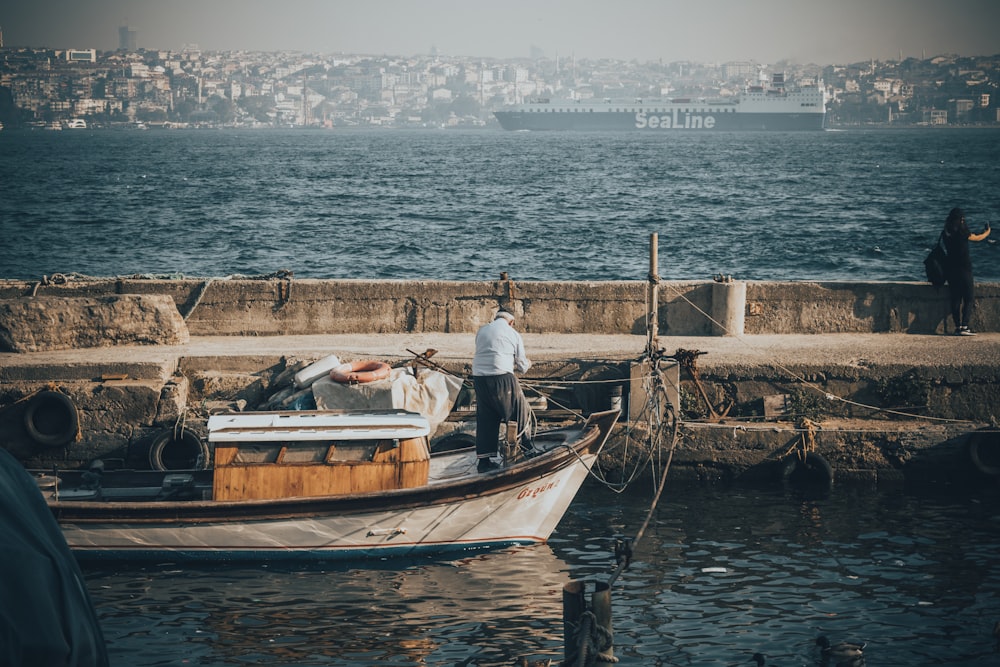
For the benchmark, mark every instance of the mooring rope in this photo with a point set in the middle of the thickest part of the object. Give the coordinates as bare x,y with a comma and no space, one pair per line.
198,297
828,395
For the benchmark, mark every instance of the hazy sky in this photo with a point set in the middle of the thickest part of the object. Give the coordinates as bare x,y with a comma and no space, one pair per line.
819,31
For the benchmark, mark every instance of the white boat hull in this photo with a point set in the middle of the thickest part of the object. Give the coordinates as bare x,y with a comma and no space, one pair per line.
457,510
522,514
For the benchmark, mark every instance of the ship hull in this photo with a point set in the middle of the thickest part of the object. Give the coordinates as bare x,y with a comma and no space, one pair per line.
662,122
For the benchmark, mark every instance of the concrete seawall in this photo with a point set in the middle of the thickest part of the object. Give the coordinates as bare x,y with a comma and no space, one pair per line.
852,357
278,307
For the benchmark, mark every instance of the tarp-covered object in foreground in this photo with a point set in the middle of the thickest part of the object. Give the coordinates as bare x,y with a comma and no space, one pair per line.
46,614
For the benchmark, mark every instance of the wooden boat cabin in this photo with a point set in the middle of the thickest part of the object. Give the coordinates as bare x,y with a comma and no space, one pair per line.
270,455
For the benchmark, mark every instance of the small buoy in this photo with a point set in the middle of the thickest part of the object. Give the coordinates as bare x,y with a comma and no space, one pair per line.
715,570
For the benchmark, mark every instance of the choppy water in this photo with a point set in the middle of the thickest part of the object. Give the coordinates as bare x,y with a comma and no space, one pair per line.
466,205
718,575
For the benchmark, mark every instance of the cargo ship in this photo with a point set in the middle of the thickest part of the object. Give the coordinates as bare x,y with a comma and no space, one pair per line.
772,106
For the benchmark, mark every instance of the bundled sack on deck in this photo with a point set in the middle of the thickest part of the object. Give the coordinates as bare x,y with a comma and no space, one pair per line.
431,393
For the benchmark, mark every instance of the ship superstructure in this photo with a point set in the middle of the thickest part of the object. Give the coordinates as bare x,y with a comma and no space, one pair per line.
757,107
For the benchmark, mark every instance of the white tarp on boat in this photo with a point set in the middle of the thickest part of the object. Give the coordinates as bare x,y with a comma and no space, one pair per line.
431,393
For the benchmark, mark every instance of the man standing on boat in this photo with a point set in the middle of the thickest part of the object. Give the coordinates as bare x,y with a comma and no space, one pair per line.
499,353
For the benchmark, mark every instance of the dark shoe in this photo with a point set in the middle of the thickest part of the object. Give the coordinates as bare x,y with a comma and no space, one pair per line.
487,465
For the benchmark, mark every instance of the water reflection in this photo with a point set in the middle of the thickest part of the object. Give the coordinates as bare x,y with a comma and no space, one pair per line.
473,610
718,575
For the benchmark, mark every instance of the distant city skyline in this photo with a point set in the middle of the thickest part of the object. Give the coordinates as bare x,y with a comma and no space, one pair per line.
805,31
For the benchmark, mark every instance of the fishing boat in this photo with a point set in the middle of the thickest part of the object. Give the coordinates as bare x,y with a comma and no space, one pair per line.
772,106
339,485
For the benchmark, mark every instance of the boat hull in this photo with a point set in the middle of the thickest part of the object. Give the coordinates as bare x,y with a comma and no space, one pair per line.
462,511
521,514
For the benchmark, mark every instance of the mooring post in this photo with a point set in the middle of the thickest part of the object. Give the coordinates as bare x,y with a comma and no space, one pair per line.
729,302
587,633
653,295
574,604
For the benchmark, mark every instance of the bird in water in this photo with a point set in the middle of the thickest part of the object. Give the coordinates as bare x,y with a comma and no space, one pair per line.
760,659
842,652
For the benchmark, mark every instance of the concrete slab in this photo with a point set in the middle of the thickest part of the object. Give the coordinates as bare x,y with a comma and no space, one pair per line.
246,353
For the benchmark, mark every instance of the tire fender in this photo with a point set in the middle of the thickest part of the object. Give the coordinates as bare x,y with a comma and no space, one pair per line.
984,453
178,451
51,419
811,471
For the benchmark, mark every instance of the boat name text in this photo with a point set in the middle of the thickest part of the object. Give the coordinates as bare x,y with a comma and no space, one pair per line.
675,120
534,492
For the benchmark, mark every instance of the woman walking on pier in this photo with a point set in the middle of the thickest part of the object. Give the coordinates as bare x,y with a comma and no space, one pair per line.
961,287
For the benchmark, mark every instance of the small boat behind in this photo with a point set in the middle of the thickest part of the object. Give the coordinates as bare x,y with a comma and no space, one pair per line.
324,485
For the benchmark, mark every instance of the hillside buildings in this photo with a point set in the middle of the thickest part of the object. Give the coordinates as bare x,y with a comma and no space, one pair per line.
42,87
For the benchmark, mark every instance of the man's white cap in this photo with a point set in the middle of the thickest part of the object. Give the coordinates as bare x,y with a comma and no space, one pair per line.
504,314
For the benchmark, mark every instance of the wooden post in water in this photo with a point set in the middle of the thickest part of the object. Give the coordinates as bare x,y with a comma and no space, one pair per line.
588,636
653,295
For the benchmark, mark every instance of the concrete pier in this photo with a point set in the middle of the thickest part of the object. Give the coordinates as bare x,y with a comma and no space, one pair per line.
853,358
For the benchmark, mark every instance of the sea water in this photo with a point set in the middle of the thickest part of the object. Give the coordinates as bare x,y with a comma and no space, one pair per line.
467,205
717,575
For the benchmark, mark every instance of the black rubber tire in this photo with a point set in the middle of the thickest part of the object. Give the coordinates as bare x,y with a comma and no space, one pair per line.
454,441
184,452
51,419
811,472
984,453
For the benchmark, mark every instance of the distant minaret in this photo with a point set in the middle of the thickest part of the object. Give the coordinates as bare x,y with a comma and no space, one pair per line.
1,37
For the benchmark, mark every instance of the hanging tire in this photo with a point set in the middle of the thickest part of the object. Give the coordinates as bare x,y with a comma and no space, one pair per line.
185,451
984,453
807,473
51,419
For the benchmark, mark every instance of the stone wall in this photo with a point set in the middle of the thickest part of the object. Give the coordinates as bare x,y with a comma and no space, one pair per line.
39,323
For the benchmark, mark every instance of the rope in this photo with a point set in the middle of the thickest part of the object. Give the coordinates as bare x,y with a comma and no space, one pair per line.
179,425
23,399
65,278
197,300
798,378
284,292
778,428
543,382
654,421
592,640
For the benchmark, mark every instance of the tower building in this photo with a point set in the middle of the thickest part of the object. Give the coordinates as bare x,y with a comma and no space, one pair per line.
128,38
